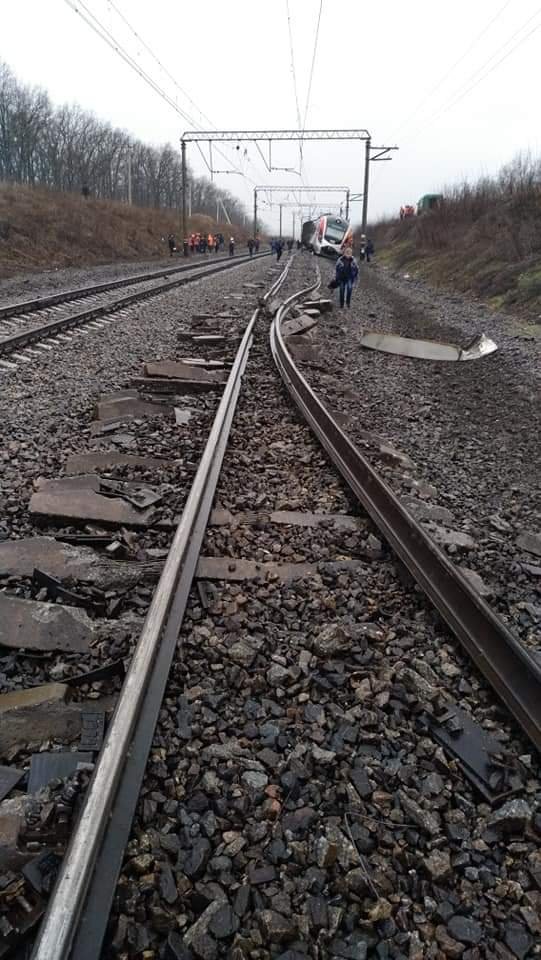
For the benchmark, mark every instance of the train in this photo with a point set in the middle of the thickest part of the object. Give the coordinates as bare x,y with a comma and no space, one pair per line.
328,236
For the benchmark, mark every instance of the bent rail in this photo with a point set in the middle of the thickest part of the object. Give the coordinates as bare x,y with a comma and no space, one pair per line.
497,653
63,934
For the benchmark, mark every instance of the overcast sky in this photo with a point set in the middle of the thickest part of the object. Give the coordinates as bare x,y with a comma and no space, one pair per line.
389,66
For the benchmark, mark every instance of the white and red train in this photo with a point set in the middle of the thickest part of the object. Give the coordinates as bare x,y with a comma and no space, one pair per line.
328,236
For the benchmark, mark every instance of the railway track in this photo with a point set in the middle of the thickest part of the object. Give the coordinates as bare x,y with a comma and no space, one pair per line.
22,323
76,918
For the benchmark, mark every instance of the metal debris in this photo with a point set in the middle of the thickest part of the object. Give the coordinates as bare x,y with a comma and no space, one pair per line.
114,669
46,767
92,732
57,591
480,346
478,753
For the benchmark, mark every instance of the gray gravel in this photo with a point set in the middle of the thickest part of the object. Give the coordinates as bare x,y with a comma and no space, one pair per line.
295,803
470,431
46,282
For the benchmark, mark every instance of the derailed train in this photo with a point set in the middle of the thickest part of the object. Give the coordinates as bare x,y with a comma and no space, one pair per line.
328,236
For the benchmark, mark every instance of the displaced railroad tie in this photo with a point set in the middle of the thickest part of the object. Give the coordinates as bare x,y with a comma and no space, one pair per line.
176,369
88,498
68,563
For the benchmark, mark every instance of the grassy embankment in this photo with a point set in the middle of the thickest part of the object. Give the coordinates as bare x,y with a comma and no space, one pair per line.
43,229
485,240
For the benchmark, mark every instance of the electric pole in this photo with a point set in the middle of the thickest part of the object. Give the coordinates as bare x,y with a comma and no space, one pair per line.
255,212
129,178
183,157
366,178
368,159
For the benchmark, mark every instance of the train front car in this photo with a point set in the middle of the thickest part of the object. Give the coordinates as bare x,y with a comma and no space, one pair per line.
333,235
308,234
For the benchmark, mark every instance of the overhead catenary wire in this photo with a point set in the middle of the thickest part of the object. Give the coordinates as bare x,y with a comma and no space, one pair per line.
478,76
80,8
311,77
453,66
167,72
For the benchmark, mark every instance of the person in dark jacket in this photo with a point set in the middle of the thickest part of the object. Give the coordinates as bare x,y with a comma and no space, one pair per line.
250,245
171,240
279,248
369,250
346,274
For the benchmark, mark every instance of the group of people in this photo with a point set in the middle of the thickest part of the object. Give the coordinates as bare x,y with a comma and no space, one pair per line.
253,245
199,243
277,245
347,270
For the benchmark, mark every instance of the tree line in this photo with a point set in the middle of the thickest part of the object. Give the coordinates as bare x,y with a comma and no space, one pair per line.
67,148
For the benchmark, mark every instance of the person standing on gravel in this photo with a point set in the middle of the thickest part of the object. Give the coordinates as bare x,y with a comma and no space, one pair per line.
346,274
231,246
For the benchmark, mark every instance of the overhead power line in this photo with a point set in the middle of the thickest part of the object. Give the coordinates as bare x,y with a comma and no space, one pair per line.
314,55
78,6
158,61
453,66
478,76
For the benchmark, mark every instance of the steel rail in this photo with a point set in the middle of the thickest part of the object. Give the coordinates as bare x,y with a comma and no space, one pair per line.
137,708
63,296
502,659
22,338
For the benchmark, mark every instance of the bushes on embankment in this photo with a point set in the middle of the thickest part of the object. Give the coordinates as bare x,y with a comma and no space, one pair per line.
484,238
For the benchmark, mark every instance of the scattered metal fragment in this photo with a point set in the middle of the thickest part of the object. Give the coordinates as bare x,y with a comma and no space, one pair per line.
9,778
114,669
207,593
57,591
479,346
41,871
21,910
85,539
45,767
33,625
477,752
92,732
138,494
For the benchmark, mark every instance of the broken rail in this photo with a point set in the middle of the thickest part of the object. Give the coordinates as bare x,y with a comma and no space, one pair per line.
78,911
502,659
23,338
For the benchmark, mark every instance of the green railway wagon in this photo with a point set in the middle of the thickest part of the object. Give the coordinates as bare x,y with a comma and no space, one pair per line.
428,202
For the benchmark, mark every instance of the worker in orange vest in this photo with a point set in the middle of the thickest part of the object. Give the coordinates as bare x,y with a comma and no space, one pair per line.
210,242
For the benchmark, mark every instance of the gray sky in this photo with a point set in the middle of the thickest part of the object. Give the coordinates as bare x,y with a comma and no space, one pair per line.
380,66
